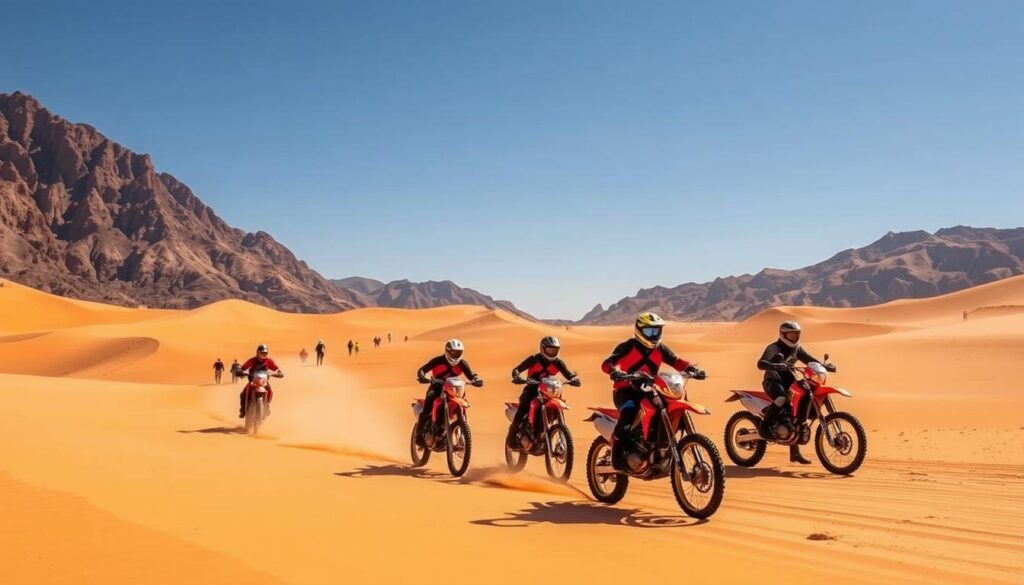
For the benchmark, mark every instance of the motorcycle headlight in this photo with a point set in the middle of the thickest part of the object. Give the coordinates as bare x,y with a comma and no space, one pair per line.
672,385
455,387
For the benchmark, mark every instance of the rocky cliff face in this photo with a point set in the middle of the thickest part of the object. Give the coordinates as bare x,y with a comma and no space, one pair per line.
82,216
898,266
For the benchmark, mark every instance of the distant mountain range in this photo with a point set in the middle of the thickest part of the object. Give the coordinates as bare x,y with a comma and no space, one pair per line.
898,266
419,295
84,217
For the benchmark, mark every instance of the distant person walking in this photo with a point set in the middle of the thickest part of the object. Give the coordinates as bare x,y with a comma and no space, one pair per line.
218,369
389,337
357,349
303,355
321,348
350,347
235,369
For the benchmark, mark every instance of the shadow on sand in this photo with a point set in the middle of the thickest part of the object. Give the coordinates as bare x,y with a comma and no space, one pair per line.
239,430
586,513
738,472
395,470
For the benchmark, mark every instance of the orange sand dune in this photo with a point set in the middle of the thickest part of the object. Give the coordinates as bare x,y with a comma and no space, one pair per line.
122,462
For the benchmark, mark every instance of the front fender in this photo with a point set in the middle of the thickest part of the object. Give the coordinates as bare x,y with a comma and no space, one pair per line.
556,404
826,390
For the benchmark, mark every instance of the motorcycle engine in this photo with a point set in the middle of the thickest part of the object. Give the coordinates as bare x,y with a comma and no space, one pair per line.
784,430
638,459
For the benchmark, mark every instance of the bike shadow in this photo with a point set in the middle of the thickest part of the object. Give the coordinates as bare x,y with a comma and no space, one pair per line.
740,472
586,513
238,430
393,470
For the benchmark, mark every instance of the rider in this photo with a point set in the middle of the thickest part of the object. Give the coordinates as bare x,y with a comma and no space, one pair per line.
434,372
260,362
777,361
643,354
537,366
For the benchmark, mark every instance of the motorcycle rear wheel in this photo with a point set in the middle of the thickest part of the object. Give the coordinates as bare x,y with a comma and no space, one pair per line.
419,455
606,488
515,460
744,456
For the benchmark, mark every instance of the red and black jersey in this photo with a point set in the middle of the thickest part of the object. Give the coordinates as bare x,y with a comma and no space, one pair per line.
255,363
439,369
631,356
538,366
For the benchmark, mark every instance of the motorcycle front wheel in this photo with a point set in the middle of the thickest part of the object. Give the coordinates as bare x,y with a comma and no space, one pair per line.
699,484
459,448
559,455
849,444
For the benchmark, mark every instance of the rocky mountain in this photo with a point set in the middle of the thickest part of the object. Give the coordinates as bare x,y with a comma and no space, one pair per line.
404,294
85,217
899,265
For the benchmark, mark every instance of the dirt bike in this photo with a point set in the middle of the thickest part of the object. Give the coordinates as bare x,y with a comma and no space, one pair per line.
543,431
448,430
840,441
256,400
663,442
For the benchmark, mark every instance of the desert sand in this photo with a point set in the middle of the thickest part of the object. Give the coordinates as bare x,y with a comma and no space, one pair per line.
121,461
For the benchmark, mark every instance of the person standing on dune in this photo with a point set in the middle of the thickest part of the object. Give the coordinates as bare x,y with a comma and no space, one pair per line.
321,349
351,346
303,355
777,362
357,349
260,362
447,365
218,369
643,354
236,369
541,364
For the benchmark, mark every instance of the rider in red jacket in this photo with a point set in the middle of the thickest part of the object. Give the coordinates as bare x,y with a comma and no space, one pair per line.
643,354
537,366
260,362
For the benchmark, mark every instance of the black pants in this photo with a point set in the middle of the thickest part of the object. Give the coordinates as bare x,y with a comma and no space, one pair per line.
216,375
433,393
528,395
319,358
627,400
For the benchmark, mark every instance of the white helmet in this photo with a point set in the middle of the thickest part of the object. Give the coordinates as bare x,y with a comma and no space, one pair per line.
453,350
787,331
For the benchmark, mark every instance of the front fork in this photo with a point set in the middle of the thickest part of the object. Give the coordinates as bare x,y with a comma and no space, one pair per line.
830,431
671,433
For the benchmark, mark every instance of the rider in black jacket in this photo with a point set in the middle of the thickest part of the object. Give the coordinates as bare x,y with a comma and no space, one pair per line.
536,366
777,361
434,372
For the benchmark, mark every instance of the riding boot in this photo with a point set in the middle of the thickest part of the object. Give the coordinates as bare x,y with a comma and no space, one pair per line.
796,457
765,429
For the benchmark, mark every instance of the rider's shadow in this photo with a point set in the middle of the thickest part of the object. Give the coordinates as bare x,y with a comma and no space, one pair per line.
393,470
739,472
577,512
238,430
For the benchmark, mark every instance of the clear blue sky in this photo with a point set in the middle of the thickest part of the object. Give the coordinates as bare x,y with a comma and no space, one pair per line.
557,154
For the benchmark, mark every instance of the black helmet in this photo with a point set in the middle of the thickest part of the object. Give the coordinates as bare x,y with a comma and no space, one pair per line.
262,348
789,333
549,347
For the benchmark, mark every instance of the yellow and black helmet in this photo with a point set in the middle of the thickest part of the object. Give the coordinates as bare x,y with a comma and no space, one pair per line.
648,329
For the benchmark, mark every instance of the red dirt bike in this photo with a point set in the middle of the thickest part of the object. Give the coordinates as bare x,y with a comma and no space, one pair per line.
448,430
840,441
664,443
543,431
256,400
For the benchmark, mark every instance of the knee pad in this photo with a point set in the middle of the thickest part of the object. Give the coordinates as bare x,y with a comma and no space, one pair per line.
780,401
